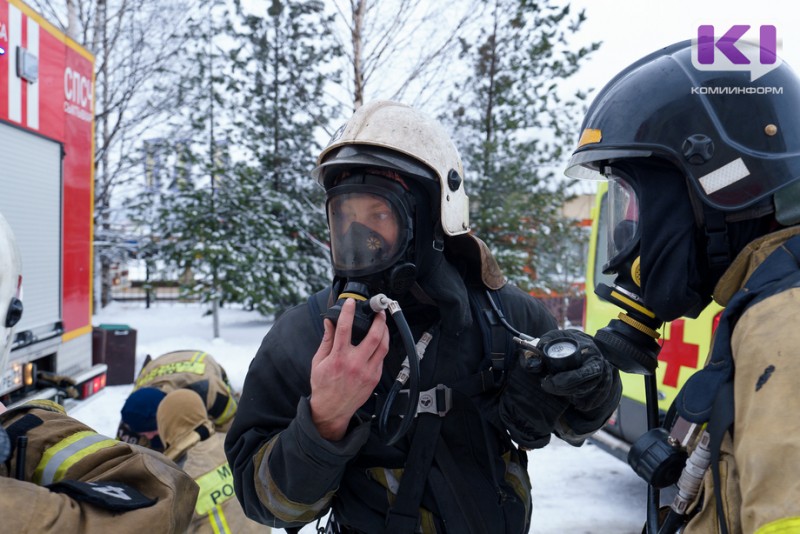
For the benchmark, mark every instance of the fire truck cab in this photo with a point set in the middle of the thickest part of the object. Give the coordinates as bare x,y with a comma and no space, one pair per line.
685,343
46,194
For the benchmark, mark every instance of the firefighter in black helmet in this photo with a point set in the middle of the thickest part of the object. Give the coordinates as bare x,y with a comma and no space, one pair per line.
704,200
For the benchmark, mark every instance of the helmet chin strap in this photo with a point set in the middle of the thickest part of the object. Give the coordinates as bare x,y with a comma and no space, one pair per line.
715,225
718,248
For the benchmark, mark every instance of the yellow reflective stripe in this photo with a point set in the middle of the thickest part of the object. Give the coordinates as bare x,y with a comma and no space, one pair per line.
218,522
199,356
275,501
57,459
426,522
354,296
228,412
787,525
198,368
216,487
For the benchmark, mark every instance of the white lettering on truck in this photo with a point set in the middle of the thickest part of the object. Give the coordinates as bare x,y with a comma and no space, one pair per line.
78,93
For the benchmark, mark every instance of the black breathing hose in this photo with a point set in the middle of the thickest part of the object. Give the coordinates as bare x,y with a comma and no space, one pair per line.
413,381
502,319
653,493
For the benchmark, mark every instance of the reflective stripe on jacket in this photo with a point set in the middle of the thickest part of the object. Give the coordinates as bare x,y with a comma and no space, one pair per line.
216,511
61,449
195,370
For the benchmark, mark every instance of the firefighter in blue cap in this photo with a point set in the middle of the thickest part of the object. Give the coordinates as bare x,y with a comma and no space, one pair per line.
192,369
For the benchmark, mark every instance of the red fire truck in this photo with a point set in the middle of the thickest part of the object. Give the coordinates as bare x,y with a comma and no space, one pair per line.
46,194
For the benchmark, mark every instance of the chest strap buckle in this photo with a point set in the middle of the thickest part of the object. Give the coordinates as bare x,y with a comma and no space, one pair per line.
436,400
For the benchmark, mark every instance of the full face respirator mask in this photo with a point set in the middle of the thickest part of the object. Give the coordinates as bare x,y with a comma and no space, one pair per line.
370,217
630,341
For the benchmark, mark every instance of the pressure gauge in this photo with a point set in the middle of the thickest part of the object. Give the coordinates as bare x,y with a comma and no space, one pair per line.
562,355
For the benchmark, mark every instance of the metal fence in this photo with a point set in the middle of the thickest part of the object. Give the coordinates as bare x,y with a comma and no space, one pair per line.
151,293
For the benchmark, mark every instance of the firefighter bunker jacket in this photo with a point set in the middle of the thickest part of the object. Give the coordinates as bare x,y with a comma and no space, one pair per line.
287,475
759,483
195,370
74,480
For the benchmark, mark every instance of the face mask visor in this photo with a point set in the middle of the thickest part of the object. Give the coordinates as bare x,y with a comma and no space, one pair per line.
623,220
369,229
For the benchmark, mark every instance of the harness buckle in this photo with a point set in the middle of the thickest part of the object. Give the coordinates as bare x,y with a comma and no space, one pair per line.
436,400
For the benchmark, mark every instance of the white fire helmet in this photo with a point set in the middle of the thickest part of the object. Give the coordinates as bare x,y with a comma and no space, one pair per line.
10,288
379,132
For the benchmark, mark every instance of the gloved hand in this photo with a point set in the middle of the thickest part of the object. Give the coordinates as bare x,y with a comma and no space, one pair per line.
593,387
529,414
62,382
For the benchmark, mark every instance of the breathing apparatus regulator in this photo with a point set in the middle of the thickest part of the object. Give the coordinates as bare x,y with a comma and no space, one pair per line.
366,308
658,456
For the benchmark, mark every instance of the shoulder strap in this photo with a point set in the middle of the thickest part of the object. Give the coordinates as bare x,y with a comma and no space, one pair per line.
487,307
316,312
722,415
780,271
404,514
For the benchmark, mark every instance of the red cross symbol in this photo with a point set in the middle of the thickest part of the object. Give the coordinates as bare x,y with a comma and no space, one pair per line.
676,354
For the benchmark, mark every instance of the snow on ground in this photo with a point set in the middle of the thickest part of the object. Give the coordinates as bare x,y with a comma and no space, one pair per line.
575,490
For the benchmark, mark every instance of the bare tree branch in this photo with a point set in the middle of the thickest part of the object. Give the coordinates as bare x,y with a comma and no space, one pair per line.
394,47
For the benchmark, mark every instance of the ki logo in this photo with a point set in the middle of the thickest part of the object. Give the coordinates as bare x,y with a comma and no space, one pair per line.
731,51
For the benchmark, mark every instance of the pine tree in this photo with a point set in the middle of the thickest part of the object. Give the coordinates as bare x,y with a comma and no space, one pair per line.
281,76
236,213
182,212
509,121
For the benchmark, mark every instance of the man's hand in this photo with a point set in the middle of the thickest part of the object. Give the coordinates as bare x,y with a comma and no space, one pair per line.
343,376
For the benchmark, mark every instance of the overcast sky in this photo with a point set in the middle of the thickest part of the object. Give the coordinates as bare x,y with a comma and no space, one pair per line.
631,29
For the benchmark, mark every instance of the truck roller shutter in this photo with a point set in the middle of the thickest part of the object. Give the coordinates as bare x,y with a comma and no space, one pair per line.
30,198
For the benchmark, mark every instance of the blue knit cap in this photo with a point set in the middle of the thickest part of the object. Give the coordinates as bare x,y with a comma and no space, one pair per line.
139,411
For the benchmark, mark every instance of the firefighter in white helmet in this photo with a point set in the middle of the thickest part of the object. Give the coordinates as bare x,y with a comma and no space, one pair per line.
327,418
58,475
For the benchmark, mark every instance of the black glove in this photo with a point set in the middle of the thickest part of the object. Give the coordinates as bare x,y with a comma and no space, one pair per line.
594,386
529,414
